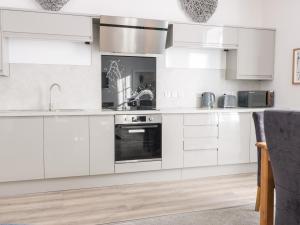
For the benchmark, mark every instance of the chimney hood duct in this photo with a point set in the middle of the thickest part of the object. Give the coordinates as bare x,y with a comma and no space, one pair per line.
132,35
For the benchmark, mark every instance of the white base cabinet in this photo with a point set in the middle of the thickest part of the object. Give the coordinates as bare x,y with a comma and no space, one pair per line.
102,134
253,148
201,133
234,138
66,146
21,151
71,146
172,141
4,66
138,167
199,158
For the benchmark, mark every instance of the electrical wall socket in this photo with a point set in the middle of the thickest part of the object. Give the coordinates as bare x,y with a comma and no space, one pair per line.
173,94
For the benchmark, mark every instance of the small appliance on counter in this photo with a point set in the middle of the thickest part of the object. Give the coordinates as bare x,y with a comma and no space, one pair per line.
256,99
227,101
208,100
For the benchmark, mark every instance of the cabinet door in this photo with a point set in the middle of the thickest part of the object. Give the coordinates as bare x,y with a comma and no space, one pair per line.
43,23
21,152
172,141
253,148
205,36
102,158
201,158
1,53
234,138
256,53
66,146
4,66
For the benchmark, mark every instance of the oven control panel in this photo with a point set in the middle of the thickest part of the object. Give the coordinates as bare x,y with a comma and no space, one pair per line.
138,119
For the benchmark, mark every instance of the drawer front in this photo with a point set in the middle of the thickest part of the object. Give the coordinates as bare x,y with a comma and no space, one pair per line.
137,167
46,23
201,158
200,143
201,119
201,131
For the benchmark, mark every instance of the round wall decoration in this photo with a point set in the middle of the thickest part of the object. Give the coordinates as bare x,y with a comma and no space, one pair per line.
52,5
199,10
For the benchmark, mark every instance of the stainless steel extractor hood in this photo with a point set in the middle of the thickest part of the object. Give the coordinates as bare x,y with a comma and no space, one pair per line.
132,35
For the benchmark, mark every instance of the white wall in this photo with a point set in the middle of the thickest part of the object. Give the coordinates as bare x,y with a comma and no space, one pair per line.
284,15
28,85
189,72
233,12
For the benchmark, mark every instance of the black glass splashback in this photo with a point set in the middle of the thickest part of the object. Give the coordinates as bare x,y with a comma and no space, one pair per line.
128,82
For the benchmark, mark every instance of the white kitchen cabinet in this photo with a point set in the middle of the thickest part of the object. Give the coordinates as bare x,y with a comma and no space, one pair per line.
201,139
199,158
203,119
102,157
201,131
46,25
234,138
4,66
202,36
253,148
138,167
66,146
254,58
21,152
172,141
200,143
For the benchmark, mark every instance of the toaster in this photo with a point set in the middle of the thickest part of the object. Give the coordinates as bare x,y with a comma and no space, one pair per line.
227,101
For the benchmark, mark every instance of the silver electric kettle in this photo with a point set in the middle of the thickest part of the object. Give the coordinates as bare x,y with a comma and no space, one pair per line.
208,100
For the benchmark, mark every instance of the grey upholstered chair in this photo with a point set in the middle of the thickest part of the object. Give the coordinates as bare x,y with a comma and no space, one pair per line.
282,129
258,118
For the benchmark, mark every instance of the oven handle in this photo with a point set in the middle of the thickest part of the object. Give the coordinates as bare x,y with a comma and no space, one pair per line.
139,127
136,131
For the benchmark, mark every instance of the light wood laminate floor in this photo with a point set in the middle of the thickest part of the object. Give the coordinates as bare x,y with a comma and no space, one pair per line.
112,204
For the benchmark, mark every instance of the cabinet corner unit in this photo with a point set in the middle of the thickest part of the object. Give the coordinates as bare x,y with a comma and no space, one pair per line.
254,58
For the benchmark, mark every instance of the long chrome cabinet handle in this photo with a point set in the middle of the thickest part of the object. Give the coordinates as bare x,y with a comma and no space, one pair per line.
136,131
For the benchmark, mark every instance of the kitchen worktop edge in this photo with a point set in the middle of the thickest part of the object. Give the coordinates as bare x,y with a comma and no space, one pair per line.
33,113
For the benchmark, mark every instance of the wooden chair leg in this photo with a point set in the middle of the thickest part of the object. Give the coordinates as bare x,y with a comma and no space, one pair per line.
257,204
267,191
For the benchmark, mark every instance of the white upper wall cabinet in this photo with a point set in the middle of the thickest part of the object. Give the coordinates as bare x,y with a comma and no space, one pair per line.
48,52
254,58
202,36
46,25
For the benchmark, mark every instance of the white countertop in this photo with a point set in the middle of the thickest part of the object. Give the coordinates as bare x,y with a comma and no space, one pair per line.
91,112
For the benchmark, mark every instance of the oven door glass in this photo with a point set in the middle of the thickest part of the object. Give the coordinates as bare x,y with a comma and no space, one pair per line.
137,142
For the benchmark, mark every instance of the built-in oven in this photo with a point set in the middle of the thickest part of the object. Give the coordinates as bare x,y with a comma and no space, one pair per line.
138,138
